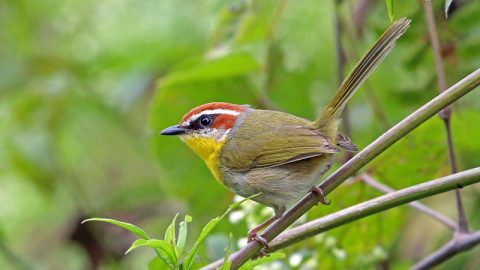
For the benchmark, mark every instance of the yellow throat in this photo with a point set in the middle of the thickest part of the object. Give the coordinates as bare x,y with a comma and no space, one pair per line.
209,150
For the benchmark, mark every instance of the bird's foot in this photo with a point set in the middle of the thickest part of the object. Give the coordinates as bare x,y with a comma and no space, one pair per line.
319,192
253,236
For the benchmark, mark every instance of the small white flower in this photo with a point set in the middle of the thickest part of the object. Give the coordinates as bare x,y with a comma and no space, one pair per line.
251,221
330,242
242,242
274,266
236,216
339,253
319,238
237,198
311,263
267,211
248,206
295,259
218,52
379,253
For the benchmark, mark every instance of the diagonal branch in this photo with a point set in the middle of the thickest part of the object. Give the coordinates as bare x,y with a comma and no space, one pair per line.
370,207
363,157
369,180
374,206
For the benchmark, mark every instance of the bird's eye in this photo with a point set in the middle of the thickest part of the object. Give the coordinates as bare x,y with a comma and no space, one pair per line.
205,121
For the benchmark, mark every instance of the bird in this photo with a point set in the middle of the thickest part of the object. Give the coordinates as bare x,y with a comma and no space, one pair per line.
275,155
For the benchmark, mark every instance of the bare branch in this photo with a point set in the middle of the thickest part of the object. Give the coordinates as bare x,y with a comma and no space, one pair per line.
369,180
370,207
373,206
363,157
461,242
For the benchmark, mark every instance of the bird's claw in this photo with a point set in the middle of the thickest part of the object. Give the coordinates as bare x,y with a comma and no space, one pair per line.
262,241
320,193
253,236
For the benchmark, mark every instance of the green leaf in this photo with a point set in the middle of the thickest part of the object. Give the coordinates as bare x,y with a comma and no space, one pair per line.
206,230
226,264
390,4
237,204
164,250
266,259
182,234
158,264
447,6
211,69
170,237
127,226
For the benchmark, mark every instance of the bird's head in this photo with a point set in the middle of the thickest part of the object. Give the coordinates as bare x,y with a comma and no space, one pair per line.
206,127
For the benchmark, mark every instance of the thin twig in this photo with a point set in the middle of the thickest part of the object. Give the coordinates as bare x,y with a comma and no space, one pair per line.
462,239
357,162
369,180
445,114
370,207
460,243
462,218
359,15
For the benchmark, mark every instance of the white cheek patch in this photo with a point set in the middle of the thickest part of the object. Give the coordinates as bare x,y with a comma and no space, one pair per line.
208,112
216,134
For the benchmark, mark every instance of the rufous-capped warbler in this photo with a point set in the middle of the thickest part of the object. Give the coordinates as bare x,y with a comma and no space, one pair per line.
275,154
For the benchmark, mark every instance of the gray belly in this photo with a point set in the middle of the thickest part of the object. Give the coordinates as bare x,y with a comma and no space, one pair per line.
279,186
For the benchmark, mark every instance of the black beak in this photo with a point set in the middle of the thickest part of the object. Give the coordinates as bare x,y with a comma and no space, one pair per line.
173,130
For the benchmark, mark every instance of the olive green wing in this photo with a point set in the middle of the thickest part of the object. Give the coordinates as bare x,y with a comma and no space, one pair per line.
293,143
273,139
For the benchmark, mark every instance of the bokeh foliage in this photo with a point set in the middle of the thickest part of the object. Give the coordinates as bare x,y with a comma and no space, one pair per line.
87,85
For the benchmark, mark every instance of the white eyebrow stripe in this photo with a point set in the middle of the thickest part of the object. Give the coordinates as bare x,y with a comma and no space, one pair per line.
208,112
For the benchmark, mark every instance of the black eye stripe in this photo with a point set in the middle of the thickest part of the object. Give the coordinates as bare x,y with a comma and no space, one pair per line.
196,124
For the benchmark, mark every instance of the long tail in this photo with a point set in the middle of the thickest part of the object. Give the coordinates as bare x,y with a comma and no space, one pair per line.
328,120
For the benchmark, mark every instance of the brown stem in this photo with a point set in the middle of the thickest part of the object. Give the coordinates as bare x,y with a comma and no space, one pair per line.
462,219
459,243
369,180
359,14
445,113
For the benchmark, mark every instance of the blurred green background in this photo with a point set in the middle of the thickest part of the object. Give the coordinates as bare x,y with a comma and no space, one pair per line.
87,85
